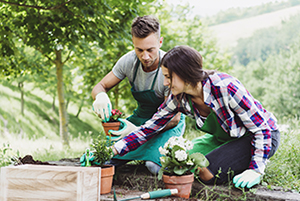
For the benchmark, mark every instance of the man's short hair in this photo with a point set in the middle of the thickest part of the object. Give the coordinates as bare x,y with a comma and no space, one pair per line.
144,26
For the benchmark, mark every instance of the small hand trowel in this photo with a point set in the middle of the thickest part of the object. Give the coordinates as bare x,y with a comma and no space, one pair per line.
151,195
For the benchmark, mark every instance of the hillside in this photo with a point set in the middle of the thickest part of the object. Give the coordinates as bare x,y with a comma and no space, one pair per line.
227,34
38,129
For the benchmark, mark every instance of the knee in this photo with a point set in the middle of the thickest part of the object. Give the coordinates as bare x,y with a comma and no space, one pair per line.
152,167
275,142
205,174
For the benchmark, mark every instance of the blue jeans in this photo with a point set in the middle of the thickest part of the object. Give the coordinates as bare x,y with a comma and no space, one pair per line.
234,158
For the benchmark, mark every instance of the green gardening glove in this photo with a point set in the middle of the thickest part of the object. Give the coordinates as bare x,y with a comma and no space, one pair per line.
247,179
87,159
126,128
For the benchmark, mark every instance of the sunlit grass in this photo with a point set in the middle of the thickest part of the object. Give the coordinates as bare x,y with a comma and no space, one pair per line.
284,167
36,132
47,149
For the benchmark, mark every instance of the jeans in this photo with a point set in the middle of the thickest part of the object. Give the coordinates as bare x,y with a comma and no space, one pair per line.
151,166
234,157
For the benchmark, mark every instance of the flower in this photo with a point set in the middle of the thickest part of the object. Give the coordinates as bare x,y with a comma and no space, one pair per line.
115,114
162,151
180,155
176,160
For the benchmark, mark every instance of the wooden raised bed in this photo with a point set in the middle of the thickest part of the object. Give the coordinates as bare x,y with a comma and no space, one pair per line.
48,182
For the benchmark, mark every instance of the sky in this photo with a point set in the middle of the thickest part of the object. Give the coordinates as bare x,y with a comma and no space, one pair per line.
211,7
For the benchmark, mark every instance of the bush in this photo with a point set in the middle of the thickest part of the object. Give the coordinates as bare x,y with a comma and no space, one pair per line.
6,155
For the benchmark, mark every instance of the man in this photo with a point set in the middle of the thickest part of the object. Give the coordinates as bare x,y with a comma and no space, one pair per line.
142,68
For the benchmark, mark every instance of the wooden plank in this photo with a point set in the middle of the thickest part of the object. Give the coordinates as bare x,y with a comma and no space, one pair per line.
43,182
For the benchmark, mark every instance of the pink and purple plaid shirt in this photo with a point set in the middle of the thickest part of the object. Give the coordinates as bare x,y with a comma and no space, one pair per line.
237,111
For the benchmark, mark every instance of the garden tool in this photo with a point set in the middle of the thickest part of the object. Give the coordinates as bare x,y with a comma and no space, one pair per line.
87,159
151,195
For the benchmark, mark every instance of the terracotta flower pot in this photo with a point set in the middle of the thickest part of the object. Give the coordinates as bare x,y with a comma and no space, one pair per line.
182,183
107,173
110,126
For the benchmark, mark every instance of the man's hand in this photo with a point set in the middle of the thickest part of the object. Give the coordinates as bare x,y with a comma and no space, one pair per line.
247,179
126,128
102,106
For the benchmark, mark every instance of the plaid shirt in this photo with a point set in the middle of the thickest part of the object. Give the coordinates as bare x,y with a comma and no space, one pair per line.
237,111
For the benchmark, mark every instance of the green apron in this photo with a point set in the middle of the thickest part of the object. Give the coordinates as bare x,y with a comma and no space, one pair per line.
148,104
147,101
215,136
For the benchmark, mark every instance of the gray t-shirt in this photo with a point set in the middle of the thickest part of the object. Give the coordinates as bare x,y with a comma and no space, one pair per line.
125,67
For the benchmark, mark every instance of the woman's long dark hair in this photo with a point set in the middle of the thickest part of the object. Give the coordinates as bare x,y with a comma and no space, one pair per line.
186,62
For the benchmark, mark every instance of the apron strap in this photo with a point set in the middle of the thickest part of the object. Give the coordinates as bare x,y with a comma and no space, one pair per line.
136,69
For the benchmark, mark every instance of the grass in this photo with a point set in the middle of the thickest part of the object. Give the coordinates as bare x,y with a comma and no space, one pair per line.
284,167
37,134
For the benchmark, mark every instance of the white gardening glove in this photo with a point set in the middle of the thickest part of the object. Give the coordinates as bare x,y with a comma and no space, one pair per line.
126,128
248,178
102,106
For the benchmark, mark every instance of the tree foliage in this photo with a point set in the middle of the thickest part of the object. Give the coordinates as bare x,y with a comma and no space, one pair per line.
57,29
178,28
274,81
78,42
267,41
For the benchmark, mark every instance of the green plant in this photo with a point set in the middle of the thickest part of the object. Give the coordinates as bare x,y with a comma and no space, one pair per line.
176,159
6,155
101,150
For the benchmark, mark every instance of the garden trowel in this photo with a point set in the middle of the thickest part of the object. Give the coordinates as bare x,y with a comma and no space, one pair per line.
151,195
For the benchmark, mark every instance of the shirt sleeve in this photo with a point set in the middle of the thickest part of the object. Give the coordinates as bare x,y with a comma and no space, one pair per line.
124,66
148,130
247,109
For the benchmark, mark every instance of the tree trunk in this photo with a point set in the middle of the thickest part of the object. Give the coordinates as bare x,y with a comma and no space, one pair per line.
53,103
20,85
67,104
80,107
116,94
63,119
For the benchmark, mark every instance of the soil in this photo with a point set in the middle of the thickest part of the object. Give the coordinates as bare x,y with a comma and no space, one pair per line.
28,159
135,179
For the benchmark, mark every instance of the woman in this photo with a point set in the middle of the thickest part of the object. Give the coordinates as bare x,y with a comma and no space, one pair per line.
241,134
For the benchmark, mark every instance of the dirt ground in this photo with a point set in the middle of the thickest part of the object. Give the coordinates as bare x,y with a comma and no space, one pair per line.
134,180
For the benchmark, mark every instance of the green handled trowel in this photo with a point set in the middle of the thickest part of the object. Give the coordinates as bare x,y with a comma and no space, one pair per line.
151,195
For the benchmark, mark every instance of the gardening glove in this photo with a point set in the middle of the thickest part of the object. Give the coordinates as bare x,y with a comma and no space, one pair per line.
91,157
248,178
126,128
102,106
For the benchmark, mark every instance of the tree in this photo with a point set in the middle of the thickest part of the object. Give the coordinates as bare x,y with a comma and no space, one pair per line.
274,81
56,29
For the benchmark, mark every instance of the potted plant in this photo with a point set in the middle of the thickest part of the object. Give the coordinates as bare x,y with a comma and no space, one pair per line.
102,153
113,123
178,165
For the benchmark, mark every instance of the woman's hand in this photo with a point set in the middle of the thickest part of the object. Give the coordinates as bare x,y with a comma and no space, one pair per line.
114,150
247,179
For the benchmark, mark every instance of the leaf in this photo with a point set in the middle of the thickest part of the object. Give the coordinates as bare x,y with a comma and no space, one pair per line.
180,170
160,173
199,159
